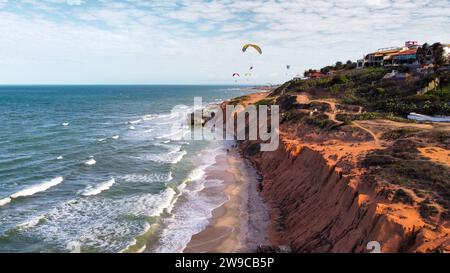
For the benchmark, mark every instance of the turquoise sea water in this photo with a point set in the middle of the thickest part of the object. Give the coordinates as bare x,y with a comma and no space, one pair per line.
95,166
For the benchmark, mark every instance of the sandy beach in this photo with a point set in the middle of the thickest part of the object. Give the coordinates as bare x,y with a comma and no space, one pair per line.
239,225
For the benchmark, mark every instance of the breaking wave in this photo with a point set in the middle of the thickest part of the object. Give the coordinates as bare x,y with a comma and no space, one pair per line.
32,190
90,190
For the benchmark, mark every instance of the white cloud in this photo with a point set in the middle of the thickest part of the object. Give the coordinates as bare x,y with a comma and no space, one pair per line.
200,41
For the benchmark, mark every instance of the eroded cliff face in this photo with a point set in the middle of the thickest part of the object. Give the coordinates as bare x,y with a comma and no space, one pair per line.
322,200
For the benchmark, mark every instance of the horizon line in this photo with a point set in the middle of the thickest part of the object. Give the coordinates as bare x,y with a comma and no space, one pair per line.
127,84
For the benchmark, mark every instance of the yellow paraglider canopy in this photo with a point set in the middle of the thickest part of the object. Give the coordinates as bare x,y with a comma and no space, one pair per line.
256,47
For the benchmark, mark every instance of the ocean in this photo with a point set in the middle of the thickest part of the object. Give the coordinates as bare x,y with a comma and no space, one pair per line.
100,168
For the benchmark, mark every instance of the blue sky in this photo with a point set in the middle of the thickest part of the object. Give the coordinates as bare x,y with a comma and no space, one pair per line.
199,42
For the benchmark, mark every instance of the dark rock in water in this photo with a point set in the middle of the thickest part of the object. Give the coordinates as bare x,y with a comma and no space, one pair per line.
196,119
201,117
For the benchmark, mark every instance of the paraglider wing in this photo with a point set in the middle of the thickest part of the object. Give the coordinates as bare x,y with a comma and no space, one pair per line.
236,75
288,66
256,47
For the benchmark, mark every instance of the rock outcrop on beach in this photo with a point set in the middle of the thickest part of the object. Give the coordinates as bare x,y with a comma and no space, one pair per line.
345,176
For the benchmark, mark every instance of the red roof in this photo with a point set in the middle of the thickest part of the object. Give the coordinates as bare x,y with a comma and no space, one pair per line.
405,52
317,75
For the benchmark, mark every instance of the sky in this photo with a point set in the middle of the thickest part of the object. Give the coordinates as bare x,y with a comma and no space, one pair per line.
200,41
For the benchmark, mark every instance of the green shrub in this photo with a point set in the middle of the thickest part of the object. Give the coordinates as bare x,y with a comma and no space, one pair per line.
403,197
320,122
381,91
264,102
238,100
334,89
400,133
339,79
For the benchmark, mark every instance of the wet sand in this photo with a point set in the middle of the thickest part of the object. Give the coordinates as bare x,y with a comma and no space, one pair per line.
239,225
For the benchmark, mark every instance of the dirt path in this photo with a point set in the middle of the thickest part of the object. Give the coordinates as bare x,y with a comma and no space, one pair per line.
332,116
376,139
373,126
302,98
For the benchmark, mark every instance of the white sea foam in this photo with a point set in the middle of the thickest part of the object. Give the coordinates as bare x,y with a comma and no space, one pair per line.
165,202
142,249
171,147
65,124
135,121
132,128
90,162
189,217
38,188
192,214
177,135
94,190
101,139
177,156
148,178
208,159
99,223
149,117
115,137
5,201
196,174
60,157
31,223
172,157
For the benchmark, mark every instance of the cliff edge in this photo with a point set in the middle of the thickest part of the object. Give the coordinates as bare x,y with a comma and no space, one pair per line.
335,184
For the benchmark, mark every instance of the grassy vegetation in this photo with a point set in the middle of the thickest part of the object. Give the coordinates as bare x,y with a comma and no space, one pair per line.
319,121
366,87
348,118
238,100
402,164
269,101
400,133
403,197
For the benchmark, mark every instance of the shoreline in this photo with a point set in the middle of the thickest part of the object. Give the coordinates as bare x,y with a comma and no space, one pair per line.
240,223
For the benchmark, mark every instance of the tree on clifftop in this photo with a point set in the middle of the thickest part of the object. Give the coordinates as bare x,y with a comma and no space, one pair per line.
309,72
438,54
421,53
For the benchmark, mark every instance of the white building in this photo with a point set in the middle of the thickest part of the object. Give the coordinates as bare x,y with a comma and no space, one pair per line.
360,64
447,50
